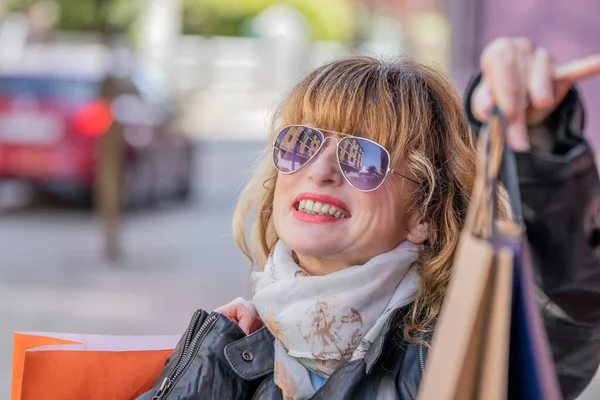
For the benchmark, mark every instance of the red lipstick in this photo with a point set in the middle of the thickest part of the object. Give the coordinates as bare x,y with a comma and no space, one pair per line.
317,218
323,198
314,218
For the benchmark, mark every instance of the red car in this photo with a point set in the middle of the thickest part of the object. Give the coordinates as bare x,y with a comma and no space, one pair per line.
49,130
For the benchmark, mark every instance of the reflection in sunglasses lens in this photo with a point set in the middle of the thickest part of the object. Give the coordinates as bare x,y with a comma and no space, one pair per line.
364,163
294,147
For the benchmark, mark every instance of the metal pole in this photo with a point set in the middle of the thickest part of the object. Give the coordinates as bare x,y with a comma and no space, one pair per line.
110,157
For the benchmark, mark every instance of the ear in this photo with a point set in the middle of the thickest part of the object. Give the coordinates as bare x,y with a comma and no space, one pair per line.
418,228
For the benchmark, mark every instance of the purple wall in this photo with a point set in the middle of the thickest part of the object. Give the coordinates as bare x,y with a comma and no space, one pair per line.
568,28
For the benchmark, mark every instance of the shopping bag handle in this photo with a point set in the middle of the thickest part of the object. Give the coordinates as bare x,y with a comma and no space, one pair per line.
507,174
496,181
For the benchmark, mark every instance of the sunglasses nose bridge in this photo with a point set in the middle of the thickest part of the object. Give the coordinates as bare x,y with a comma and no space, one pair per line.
336,140
323,148
336,144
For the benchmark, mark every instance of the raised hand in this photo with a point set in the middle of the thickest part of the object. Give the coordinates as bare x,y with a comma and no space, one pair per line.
526,84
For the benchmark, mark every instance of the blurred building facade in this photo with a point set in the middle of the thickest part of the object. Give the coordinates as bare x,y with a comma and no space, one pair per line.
352,153
229,86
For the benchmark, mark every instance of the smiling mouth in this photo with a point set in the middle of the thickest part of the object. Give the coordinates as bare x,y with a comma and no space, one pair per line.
321,208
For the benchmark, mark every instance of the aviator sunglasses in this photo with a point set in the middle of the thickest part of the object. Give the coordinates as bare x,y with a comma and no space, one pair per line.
365,164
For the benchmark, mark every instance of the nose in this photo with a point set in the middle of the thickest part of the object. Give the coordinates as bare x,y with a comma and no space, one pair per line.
324,169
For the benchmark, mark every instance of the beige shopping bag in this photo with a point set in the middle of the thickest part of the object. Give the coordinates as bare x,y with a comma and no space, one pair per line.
470,349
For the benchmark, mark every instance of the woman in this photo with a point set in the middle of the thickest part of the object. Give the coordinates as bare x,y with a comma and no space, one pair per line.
357,211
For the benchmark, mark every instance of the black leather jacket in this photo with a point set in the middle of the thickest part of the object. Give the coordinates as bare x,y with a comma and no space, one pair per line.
561,200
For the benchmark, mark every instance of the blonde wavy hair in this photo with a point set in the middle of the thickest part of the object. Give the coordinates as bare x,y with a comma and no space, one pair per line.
414,112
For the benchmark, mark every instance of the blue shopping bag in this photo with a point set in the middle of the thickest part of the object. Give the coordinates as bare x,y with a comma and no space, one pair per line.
532,375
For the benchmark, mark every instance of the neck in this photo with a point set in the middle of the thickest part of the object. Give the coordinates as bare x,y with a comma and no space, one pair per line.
318,266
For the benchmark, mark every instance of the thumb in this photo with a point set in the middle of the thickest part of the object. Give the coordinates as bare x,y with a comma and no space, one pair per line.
578,70
569,74
246,317
566,76
230,310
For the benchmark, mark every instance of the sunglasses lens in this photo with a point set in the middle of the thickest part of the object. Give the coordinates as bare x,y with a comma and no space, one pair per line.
294,147
364,163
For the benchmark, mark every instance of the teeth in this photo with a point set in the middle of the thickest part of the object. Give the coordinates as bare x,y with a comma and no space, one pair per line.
316,207
309,204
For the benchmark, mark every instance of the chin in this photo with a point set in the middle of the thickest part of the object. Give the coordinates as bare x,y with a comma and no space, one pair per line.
312,247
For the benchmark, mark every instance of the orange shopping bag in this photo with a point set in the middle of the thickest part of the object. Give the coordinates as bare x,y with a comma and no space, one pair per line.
63,366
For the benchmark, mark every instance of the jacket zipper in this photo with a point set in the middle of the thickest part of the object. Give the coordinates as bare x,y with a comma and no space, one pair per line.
421,359
186,356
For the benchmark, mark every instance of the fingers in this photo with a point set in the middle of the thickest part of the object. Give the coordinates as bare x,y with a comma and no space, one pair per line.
506,66
500,71
578,70
569,74
517,133
524,50
241,312
230,310
482,101
544,93
540,80
246,316
256,325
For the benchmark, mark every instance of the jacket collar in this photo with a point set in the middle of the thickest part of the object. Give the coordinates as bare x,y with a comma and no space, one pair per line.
259,346
376,348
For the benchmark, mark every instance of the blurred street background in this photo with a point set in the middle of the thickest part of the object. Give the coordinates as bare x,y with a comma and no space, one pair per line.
128,127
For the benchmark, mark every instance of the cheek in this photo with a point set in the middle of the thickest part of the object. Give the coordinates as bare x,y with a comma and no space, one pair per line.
277,211
390,221
386,212
281,198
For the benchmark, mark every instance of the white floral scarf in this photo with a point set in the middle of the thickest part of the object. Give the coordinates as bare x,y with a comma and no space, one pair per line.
322,322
